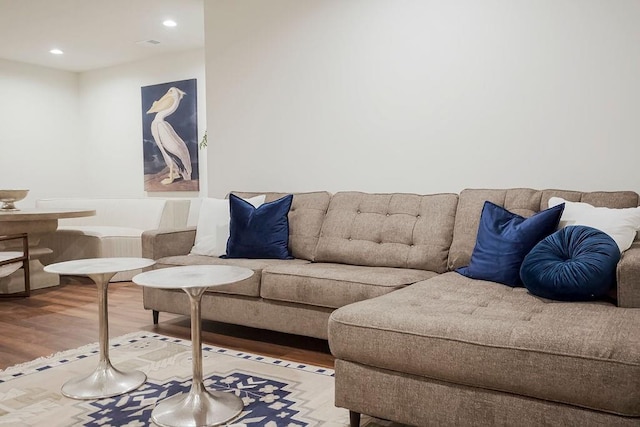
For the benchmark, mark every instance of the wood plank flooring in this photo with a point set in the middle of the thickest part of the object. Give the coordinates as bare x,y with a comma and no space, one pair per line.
66,317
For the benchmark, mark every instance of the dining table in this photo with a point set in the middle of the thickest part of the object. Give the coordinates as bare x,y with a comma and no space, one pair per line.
35,222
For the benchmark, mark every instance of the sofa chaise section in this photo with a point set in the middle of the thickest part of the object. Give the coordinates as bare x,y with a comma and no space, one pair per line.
482,353
459,333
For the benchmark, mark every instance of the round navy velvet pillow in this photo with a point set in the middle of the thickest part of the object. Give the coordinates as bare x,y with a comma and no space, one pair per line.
576,263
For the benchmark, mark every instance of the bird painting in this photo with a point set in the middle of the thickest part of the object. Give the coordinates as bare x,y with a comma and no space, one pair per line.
173,148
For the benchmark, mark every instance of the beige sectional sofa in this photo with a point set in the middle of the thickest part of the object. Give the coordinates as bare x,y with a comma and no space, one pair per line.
416,342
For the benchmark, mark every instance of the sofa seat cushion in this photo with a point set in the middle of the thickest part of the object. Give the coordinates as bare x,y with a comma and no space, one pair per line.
101,231
248,287
334,285
487,335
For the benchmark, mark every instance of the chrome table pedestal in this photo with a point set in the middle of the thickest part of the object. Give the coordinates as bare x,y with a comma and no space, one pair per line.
200,407
105,380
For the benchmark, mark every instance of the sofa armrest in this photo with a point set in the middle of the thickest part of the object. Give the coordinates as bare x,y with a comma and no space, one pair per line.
162,243
628,275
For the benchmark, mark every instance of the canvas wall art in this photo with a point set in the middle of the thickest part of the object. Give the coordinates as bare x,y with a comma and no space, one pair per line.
170,136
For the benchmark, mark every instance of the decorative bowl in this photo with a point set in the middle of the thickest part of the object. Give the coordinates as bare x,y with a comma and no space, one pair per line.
9,197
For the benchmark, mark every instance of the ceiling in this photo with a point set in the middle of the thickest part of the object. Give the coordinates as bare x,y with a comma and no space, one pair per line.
96,33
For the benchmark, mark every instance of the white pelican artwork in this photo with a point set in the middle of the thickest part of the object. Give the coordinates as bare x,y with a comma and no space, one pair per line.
173,149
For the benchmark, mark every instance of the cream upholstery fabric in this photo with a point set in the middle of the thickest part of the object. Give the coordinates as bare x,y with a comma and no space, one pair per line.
115,230
102,230
7,269
132,213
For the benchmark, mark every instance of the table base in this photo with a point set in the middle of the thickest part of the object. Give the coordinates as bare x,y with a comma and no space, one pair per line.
197,408
105,381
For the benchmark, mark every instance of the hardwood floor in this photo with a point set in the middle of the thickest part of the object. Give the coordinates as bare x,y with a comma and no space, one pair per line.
65,317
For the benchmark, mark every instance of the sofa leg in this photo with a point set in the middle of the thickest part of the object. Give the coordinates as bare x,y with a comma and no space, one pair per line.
354,419
156,314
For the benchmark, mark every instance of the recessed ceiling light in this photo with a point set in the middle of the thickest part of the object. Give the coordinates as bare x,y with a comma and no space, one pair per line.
56,51
169,23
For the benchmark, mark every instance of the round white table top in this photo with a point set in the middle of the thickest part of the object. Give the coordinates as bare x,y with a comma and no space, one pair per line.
35,214
192,276
98,265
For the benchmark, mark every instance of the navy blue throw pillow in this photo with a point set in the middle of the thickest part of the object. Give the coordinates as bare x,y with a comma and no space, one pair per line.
577,263
261,232
504,239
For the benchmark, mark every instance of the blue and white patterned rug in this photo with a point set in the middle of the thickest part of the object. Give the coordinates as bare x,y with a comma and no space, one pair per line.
275,392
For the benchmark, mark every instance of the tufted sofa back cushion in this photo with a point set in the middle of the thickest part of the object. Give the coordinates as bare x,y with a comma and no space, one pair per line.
388,230
305,219
522,201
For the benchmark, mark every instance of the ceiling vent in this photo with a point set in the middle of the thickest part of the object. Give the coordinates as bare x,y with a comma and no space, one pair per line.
150,42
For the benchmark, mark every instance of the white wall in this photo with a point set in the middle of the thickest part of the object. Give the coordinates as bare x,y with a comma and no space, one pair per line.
39,139
112,121
65,134
423,95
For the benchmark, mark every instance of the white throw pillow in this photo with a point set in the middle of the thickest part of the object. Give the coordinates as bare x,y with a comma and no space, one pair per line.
212,231
621,224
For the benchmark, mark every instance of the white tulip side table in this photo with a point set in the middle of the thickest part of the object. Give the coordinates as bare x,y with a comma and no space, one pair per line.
105,381
200,407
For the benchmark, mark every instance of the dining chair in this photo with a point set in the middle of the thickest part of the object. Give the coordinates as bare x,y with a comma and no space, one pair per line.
11,261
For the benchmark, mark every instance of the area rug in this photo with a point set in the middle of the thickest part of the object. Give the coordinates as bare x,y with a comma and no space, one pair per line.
275,392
